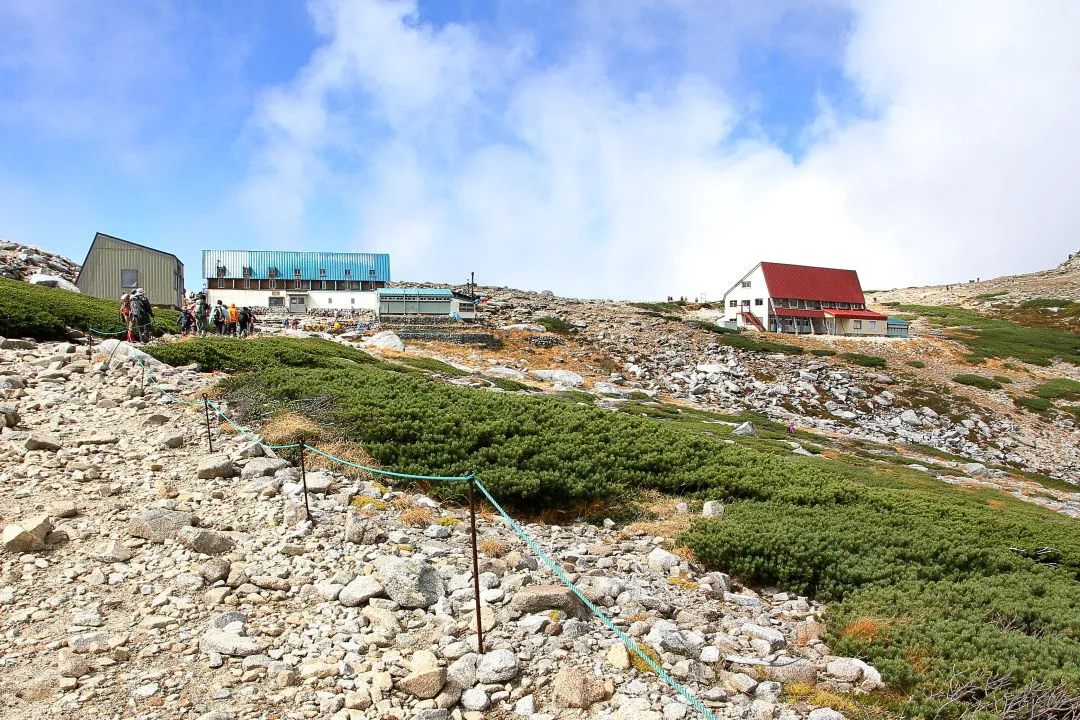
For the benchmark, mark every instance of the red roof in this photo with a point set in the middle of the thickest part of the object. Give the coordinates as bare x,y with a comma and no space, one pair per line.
790,312
802,282
856,314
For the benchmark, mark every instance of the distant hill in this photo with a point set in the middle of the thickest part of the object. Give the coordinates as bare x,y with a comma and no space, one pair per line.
1062,282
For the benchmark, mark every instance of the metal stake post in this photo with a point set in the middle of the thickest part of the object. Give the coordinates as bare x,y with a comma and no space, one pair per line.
303,478
89,343
206,409
476,570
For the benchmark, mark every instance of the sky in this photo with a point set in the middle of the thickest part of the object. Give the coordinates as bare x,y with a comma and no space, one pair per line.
596,148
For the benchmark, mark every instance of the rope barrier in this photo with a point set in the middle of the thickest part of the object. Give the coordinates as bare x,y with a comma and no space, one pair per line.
471,477
630,644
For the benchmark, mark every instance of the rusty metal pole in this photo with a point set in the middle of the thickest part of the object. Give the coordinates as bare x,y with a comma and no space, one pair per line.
89,344
206,410
303,479
476,570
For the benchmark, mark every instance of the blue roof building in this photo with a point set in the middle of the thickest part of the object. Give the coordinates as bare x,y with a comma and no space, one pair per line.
296,281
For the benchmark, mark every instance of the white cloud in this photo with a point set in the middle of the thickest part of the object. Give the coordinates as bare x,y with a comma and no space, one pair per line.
456,155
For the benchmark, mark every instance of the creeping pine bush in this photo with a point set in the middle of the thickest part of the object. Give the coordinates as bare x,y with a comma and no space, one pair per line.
916,363
554,324
44,313
1059,389
956,580
988,337
978,381
822,352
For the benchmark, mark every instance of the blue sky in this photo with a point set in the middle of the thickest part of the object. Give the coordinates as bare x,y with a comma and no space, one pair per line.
631,149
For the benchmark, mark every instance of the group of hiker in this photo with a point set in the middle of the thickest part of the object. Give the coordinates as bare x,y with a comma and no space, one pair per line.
197,316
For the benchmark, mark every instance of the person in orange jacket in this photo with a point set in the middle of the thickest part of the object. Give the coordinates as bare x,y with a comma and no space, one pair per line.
234,317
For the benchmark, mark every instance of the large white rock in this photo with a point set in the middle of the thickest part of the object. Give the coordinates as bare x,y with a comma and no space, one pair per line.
387,340
561,377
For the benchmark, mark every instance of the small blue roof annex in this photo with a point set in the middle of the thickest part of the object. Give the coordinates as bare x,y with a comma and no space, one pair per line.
415,292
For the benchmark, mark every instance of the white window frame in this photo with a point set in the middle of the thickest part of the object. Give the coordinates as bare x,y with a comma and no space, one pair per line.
873,324
857,324
745,283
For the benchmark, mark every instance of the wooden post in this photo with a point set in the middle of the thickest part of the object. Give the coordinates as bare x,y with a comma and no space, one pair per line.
476,569
89,344
303,479
206,409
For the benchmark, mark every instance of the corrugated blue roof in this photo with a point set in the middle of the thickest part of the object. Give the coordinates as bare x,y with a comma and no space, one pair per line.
416,292
287,262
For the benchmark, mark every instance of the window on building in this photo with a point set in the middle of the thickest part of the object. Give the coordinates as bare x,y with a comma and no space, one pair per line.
129,278
746,283
858,324
371,273
221,271
322,272
759,301
348,273
734,303
745,303
352,300
873,324
329,301
277,302
272,273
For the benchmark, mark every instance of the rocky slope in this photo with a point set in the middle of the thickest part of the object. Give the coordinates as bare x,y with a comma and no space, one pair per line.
616,350
145,576
21,262
1060,282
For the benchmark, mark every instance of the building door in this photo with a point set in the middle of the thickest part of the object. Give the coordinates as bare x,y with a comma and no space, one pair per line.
298,304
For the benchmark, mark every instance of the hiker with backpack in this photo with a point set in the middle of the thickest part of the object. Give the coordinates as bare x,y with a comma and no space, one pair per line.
245,321
202,313
219,318
142,315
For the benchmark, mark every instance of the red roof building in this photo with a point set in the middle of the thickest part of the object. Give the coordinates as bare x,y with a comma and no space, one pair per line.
779,297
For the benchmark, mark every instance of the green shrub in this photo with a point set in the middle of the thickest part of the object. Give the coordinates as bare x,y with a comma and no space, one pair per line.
710,327
509,385
916,363
1058,389
978,381
1035,404
659,307
746,342
864,360
1003,379
974,359
554,324
988,337
1047,303
823,353
991,296
435,366
44,313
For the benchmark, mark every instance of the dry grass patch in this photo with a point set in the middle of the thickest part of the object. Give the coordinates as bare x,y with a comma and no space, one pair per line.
819,698
494,547
290,428
863,629
685,554
350,451
665,520
416,516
